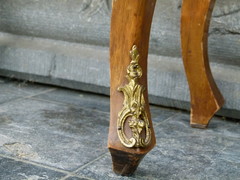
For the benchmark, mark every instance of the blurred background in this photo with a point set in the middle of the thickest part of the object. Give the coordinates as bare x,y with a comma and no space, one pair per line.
66,43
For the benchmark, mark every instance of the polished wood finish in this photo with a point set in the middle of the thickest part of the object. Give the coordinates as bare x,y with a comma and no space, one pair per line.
130,25
206,99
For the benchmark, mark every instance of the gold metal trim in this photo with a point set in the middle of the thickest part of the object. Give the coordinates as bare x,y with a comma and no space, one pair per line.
133,111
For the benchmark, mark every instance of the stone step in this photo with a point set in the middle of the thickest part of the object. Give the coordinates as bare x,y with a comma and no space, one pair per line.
88,22
85,67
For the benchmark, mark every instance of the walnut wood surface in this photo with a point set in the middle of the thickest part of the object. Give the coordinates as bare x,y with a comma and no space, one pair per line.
206,99
130,25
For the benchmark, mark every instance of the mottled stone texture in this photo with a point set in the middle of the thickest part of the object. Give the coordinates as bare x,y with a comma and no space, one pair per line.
51,133
66,43
87,21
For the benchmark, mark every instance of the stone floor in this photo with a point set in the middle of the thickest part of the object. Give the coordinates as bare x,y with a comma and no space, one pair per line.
49,133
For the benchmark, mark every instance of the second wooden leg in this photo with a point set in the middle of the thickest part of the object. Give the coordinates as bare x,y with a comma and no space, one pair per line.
206,99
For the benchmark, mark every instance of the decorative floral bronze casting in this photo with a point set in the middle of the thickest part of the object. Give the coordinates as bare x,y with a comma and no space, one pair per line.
133,111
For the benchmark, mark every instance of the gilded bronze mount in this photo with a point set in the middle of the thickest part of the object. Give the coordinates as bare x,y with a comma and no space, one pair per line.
133,111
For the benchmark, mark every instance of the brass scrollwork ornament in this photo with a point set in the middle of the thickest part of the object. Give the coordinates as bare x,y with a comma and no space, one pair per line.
133,111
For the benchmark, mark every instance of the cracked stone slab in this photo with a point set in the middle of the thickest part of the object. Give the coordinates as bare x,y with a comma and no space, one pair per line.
51,134
16,170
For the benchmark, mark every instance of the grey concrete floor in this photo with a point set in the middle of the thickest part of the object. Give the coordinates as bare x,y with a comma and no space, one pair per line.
54,133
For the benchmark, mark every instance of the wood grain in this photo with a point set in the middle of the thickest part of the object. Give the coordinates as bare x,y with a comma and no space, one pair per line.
130,25
206,99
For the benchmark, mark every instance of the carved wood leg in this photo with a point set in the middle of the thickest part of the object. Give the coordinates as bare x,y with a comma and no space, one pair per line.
131,134
206,99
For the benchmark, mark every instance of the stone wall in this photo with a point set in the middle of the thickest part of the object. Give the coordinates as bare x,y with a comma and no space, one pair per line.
66,43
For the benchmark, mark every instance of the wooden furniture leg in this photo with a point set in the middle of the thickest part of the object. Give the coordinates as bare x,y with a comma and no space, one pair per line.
206,99
131,134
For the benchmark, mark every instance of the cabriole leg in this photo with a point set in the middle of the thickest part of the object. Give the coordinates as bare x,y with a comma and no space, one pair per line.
206,99
131,134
